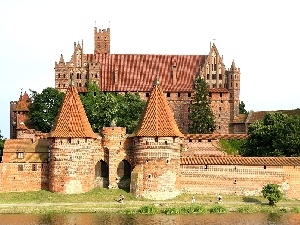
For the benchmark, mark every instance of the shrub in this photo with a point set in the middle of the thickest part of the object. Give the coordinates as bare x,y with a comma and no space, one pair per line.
218,209
148,209
272,193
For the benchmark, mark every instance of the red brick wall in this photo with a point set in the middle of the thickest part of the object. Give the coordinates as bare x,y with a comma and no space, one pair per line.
238,179
23,177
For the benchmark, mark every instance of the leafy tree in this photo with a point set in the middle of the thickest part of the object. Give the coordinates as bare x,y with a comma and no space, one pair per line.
276,135
242,109
272,193
130,110
44,108
201,117
102,108
2,140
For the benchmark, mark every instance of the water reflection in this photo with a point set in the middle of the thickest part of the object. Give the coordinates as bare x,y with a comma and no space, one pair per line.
114,219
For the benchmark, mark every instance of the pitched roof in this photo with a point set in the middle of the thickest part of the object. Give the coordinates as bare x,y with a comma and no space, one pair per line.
240,118
157,118
22,104
260,115
130,72
249,161
72,120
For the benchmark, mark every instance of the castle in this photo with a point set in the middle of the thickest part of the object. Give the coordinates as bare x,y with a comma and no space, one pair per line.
136,72
158,160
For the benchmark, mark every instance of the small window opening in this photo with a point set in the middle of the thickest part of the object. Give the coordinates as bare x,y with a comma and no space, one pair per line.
265,167
190,140
20,168
156,139
199,140
33,167
209,140
147,95
178,94
166,142
149,175
189,94
168,94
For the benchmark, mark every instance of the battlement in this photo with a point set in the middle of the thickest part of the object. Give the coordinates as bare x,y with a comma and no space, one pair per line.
102,30
214,136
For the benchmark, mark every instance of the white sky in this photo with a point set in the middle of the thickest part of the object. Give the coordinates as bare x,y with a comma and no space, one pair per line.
261,36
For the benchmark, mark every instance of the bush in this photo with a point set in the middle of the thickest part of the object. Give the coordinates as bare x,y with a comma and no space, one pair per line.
272,193
148,209
218,209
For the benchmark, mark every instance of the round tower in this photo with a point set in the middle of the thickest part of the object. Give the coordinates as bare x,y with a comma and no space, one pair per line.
156,146
71,166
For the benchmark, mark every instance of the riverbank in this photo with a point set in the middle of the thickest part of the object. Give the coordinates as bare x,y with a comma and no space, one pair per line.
105,200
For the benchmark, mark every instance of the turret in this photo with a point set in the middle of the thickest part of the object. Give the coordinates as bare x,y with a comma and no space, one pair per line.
101,41
71,167
234,89
156,146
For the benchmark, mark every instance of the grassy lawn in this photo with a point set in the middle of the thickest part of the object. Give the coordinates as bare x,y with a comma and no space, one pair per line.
105,200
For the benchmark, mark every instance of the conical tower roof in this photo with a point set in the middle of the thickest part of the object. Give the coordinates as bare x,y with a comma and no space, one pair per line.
157,118
72,120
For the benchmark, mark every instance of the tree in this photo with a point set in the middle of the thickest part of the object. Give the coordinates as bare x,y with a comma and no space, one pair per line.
276,135
242,109
44,108
200,116
130,110
2,140
272,193
102,108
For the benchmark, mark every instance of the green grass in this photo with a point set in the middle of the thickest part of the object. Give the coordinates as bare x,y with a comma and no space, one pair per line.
232,147
105,200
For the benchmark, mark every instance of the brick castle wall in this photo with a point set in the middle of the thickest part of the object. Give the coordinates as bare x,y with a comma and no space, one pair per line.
238,179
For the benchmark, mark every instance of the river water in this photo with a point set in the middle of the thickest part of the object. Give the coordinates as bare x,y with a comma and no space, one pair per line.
115,219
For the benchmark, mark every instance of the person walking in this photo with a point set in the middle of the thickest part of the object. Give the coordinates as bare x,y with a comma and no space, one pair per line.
193,199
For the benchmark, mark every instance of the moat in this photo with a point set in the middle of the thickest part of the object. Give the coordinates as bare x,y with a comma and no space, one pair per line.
105,218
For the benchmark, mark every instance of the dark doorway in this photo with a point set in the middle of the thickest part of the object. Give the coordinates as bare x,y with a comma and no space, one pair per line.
124,173
101,174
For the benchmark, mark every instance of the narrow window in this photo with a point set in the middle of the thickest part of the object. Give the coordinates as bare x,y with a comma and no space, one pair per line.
33,167
168,94
265,167
147,95
209,140
20,155
178,94
189,94
20,168
190,140
221,95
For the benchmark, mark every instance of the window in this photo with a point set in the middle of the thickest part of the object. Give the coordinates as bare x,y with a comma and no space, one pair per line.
209,140
189,94
209,95
20,155
147,95
190,140
20,168
33,167
168,94
207,77
178,94
221,95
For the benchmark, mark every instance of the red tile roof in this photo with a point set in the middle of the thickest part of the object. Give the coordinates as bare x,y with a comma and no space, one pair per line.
240,118
122,72
22,104
260,115
249,161
72,120
157,118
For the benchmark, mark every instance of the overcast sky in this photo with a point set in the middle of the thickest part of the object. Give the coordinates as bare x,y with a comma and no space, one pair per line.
261,36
